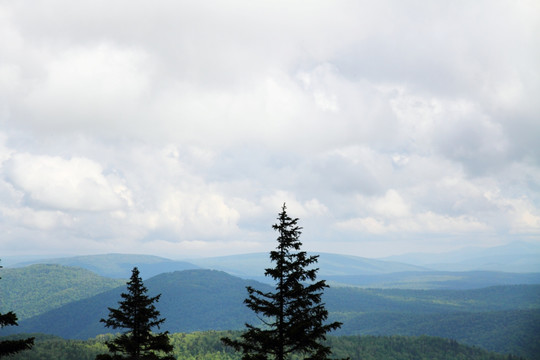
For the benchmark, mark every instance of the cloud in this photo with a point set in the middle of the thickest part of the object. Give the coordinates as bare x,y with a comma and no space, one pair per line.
91,89
184,127
74,184
426,223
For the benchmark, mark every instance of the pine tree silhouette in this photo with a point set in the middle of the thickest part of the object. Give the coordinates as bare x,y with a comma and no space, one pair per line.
293,316
138,315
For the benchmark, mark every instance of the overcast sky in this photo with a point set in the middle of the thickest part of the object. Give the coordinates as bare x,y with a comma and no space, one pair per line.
179,128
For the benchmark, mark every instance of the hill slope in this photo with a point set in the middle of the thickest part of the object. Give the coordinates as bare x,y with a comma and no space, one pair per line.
36,289
191,300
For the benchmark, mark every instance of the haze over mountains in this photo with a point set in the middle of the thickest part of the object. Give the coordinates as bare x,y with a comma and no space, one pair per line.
516,263
117,265
513,257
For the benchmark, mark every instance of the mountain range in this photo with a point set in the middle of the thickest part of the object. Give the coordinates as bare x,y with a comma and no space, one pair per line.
116,265
496,318
517,257
406,295
337,269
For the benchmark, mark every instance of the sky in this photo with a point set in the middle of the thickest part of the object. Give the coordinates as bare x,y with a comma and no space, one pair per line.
179,128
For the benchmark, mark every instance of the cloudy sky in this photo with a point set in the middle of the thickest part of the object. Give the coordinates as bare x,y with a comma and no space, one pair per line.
178,128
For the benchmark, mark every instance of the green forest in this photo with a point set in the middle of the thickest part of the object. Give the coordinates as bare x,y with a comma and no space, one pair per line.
207,346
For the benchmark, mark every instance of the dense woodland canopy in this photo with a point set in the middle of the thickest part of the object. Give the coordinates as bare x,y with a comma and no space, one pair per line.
207,346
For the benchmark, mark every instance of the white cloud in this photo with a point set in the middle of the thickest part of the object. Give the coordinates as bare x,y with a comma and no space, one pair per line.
92,89
74,184
424,223
37,219
184,127
391,205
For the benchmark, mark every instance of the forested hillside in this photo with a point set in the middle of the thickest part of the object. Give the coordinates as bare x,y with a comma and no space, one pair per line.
516,331
207,346
501,318
191,300
36,289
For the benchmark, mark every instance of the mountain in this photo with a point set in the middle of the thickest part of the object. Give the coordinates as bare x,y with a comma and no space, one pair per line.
450,280
253,265
192,300
517,257
406,271
345,270
118,265
198,300
36,289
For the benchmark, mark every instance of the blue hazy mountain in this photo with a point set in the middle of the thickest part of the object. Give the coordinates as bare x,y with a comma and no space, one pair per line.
253,265
118,265
517,257
337,269
245,265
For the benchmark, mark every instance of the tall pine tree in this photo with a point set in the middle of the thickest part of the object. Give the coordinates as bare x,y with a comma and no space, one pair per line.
293,316
9,347
138,315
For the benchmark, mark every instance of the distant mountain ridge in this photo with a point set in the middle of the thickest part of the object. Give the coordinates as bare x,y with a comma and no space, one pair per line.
118,265
254,264
518,257
337,269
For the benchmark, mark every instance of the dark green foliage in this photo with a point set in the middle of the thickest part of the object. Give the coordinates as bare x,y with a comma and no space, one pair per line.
12,346
9,347
207,346
138,315
409,348
49,347
36,289
293,315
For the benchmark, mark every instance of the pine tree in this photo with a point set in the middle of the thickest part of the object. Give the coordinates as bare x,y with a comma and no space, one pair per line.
293,316
9,347
138,315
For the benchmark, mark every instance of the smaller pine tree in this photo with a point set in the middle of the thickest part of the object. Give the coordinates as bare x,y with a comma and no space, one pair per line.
138,315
